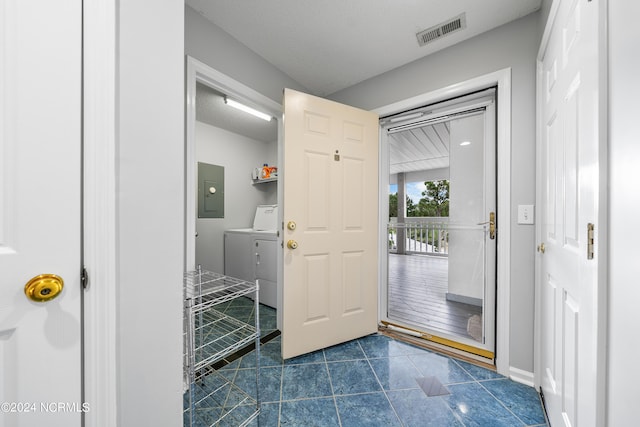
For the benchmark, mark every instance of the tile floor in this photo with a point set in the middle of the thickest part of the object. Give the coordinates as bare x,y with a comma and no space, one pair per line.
374,381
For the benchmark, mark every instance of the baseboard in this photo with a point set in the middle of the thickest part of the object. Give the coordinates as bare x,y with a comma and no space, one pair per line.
464,299
521,376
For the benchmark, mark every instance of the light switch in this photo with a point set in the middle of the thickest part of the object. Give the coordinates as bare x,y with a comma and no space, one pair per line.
525,214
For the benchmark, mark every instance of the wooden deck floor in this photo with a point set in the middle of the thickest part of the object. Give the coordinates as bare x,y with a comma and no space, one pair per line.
417,289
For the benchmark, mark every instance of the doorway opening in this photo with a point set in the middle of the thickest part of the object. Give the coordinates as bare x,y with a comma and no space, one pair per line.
441,234
231,213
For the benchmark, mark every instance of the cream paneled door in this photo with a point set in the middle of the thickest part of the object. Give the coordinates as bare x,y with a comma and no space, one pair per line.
330,290
570,314
40,175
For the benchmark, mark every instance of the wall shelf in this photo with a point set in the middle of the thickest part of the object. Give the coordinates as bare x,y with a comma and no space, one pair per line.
263,181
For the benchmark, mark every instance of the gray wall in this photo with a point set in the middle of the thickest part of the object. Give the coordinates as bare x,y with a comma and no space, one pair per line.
513,45
624,206
150,210
239,155
545,8
210,44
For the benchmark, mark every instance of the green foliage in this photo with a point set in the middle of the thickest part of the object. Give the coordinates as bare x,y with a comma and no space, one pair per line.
434,203
412,208
436,199
393,206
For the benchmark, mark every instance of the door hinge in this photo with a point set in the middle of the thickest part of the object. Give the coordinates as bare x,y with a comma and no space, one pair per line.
84,278
590,240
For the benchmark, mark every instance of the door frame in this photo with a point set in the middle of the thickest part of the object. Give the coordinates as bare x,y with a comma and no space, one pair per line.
601,232
501,79
198,71
99,193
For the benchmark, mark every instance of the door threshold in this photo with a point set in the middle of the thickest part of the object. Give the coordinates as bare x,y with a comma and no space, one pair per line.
476,356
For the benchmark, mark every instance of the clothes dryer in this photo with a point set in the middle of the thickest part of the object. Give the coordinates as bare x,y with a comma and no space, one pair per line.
251,253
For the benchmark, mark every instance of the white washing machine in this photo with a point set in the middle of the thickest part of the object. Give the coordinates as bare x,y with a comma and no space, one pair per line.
251,253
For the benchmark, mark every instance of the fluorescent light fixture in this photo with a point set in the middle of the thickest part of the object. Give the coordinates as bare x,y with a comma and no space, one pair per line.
465,143
242,107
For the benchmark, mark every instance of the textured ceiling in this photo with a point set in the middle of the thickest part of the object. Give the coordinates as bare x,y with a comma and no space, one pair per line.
330,45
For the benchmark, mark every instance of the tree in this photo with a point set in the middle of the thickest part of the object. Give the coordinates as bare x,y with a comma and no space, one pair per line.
412,208
393,205
436,199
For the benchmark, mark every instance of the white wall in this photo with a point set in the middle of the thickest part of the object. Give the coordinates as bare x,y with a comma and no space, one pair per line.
238,155
150,206
624,209
513,45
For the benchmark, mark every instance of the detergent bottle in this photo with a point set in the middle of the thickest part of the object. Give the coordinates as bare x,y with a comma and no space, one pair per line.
266,171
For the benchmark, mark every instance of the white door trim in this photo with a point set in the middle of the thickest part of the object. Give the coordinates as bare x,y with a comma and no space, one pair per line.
502,79
537,337
100,227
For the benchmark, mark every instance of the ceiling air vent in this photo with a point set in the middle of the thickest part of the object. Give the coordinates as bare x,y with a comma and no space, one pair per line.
438,31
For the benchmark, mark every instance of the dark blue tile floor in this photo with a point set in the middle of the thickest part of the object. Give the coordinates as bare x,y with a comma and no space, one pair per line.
371,381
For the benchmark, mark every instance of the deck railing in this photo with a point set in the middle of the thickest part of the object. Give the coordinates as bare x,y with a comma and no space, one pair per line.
422,235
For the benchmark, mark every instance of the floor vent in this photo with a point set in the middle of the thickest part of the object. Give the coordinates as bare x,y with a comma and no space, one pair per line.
436,32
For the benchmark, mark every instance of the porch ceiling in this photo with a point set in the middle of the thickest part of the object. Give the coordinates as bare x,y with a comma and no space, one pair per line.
419,149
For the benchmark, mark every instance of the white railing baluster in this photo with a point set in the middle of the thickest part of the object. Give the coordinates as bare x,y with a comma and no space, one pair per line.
424,235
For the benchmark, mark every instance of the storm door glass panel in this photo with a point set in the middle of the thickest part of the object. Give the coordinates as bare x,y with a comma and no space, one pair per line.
467,233
441,257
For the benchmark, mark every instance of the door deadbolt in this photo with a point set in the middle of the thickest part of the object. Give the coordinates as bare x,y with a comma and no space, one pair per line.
291,225
44,287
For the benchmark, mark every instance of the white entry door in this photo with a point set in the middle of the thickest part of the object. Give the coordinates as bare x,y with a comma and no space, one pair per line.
330,276
570,318
40,205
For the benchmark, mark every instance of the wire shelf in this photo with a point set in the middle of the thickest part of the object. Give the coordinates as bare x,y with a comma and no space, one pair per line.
217,335
217,402
209,336
205,289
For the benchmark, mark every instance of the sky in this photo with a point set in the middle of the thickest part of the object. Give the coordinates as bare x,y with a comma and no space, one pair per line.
414,190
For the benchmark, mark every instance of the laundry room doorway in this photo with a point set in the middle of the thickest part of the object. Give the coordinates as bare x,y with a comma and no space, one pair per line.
231,213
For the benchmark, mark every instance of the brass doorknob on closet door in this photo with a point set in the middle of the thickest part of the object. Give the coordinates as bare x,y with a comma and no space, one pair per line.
541,248
292,244
43,287
291,225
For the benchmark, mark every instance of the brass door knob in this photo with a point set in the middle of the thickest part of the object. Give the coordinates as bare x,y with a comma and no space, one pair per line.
44,287
541,248
292,244
291,225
